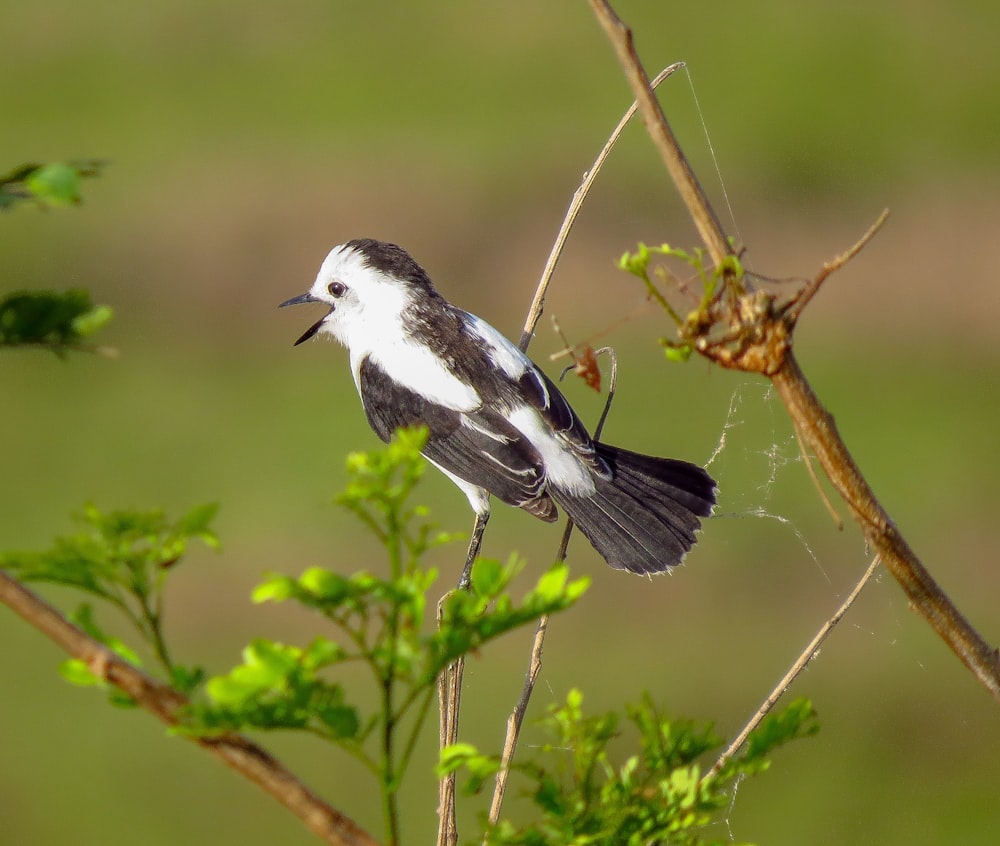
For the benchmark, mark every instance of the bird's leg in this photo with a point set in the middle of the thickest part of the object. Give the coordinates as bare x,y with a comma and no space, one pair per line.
475,542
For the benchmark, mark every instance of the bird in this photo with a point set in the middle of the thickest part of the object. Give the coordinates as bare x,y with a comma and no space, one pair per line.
497,425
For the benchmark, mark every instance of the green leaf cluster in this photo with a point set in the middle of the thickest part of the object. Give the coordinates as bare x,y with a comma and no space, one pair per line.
583,796
123,558
583,789
56,320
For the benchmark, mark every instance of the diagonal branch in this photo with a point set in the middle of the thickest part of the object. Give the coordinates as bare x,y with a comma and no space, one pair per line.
800,663
764,346
663,136
803,297
165,703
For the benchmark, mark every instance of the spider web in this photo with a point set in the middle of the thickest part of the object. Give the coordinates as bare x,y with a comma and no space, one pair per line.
756,401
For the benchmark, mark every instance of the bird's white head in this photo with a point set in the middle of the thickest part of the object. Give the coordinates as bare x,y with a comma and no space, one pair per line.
368,285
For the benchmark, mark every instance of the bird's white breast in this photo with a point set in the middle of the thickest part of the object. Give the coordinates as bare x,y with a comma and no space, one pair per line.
413,365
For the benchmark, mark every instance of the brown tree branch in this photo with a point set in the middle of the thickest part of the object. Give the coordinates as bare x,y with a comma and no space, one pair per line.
663,136
165,703
757,338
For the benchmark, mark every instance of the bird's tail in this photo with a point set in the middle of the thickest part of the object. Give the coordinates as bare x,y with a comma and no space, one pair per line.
644,518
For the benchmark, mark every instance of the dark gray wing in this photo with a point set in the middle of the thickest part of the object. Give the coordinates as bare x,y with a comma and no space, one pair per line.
480,447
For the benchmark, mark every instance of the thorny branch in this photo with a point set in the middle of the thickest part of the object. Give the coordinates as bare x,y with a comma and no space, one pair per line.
751,331
165,703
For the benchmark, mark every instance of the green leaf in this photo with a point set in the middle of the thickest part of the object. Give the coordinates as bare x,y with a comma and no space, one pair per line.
186,679
795,720
324,584
47,185
197,524
342,720
78,672
90,322
454,756
676,353
488,577
55,184
321,653
275,589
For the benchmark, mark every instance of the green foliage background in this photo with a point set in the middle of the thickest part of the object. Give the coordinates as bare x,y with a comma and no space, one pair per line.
246,139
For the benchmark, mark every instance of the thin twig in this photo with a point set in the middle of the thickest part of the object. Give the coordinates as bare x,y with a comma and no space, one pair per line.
165,703
516,718
807,460
819,431
538,303
794,310
449,702
806,656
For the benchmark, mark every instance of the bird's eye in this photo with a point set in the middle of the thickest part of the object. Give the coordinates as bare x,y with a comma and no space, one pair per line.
336,289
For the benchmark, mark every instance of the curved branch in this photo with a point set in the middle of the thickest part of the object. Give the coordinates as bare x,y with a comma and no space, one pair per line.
165,703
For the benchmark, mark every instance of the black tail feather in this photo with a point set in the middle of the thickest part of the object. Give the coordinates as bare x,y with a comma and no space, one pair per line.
645,517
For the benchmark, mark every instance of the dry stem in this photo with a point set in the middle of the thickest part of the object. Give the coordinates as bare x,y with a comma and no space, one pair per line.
516,718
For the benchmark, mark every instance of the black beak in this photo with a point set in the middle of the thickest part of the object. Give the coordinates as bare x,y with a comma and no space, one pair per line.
301,298
312,330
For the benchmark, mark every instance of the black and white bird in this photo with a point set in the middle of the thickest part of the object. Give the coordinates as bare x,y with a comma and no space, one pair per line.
497,425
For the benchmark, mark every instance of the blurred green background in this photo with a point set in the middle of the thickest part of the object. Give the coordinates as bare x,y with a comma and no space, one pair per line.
246,139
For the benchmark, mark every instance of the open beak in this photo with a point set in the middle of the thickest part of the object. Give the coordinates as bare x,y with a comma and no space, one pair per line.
312,330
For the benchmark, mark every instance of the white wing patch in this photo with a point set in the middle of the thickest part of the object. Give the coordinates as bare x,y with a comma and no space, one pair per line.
563,469
501,351
492,434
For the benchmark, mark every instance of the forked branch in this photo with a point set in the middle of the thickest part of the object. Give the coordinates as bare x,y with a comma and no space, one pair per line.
752,331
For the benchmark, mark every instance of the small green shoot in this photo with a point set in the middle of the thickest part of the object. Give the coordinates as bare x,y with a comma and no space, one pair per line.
725,277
